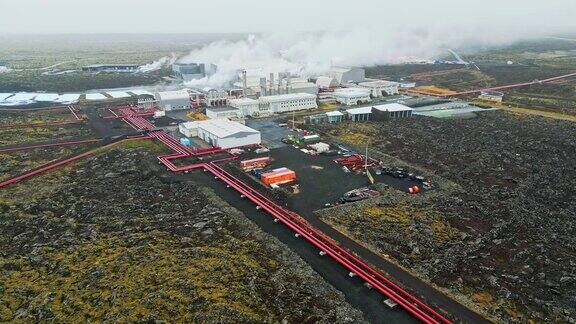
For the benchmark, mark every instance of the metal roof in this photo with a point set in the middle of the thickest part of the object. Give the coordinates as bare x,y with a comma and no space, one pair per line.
286,97
334,113
95,96
392,107
326,82
118,94
173,95
360,110
223,128
243,101
140,92
69,97
352,92
47,97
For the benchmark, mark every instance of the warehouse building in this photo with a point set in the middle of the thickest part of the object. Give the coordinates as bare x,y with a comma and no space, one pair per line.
380,112
348,75
335,117
303,86
227,134
359,114
173,100
287,102
393,110
325,82
379,88
247,106
223,112
189,129
352,96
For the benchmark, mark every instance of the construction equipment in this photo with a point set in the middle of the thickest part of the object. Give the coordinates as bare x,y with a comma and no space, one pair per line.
356,162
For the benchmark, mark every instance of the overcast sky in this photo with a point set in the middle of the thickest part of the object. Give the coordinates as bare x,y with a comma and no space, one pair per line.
193,16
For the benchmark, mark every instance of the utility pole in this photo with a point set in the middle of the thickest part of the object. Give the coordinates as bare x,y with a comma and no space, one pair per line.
293,119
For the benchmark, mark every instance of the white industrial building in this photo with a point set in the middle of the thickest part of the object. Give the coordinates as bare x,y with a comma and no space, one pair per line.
380,112
303,86
379,88
393,110
359,114
334,117
326,82
287,102
227,134
173,100
223,112
348,75
189,129
247,106
352,96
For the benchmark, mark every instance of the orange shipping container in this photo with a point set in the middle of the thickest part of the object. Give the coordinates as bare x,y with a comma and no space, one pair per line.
279,177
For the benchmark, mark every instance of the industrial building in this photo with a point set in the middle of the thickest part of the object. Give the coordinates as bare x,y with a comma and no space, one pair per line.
214,97
223,133
112,68
332,117
325,82
335,117
359,114
393,110
223,112
379,88
247,106
303,86
258,86
287,102
352,96
173,100
380,112
193,71
347,75
189,129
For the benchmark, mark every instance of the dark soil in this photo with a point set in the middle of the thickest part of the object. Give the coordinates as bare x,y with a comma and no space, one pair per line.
501,230
118,239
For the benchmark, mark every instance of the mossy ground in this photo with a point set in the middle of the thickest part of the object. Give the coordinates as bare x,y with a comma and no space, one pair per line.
116,238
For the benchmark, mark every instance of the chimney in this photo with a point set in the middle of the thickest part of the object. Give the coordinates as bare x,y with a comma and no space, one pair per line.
280,75
245,81
288,84
271,90
263,87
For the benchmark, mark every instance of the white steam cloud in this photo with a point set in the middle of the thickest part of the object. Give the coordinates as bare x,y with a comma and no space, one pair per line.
158,64
312,54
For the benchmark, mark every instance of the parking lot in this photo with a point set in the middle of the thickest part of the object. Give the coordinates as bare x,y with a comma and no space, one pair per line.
321,180
271,132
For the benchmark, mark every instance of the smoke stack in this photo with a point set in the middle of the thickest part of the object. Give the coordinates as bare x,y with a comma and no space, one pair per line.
280,83
245,81
288,84
262,87
271,91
